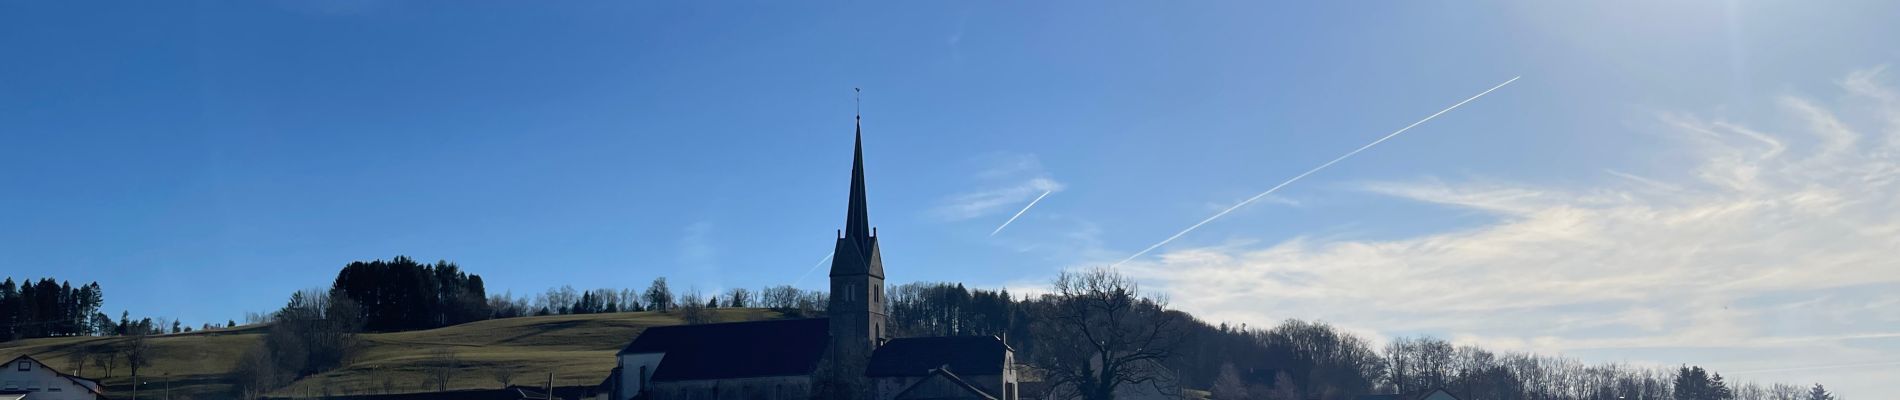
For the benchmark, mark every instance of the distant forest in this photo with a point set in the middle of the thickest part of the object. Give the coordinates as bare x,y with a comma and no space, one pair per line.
401,294
1294,360
49,308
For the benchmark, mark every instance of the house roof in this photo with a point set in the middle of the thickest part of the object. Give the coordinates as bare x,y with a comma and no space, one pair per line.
735,350
91,385
932,388
968,355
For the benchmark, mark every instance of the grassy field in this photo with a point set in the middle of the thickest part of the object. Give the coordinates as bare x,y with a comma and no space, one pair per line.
577,349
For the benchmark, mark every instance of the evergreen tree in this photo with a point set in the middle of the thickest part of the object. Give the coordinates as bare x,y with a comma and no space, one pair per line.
1819,393
659,297
402,294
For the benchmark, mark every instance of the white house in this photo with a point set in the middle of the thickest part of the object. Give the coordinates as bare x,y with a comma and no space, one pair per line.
981,362
30,379
741,360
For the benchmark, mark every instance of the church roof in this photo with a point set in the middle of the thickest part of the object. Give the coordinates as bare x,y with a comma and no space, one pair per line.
735,350
856,253
968,355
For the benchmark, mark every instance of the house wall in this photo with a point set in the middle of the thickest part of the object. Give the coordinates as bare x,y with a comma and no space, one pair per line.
41,383
631,366
1002,386
887,388
763,388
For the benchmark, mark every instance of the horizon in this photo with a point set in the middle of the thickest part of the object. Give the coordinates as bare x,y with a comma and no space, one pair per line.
1706,183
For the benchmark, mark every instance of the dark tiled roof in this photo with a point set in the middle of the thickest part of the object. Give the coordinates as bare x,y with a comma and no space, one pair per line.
735,350
930,389
967,355
510,393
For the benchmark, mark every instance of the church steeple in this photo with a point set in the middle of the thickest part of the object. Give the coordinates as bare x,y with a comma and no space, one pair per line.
857,221
856,310
857,253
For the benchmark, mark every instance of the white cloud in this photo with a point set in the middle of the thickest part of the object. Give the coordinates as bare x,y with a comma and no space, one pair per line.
1009,181
1776,242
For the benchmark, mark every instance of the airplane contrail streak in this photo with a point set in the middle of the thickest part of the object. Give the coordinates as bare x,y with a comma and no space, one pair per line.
1296,178
1019,214
814,267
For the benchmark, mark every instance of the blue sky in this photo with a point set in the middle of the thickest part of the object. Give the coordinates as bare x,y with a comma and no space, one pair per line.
1655,163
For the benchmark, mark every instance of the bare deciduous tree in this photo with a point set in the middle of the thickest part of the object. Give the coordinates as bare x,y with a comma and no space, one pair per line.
138,353
692,308
1098,332
503,375
105,358
442,365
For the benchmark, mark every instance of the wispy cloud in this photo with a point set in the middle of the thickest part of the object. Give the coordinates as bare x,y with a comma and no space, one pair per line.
1009,180
1773,242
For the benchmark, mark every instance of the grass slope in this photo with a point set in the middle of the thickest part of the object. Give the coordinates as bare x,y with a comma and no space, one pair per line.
577,349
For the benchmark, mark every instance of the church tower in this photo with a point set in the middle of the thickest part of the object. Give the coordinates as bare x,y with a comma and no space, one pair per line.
857,280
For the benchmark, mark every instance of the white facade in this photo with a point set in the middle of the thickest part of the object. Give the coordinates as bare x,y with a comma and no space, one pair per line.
28,376
636,370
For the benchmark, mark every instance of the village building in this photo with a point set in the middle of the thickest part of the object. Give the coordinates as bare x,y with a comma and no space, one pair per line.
26,378
848,355
1432,394
982,362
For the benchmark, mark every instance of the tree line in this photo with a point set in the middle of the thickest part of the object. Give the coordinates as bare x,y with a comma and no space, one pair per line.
1294,360
657,296
49,308
402,294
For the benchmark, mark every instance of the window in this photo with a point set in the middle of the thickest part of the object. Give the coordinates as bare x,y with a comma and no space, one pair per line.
26,365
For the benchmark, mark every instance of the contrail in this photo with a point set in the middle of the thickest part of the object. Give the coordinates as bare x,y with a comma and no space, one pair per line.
1012,218
814,267
1296,178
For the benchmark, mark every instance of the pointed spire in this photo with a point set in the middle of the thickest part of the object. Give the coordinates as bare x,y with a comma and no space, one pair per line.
857,223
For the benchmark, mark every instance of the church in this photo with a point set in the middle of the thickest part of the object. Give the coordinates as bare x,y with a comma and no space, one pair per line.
849,354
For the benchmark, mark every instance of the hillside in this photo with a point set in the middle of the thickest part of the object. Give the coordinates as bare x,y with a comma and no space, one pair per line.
577,349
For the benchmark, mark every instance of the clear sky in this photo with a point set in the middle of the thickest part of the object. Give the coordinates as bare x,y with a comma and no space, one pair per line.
1693,182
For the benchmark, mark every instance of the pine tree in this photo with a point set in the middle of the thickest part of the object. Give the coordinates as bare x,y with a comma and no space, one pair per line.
1719,390
1819,393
